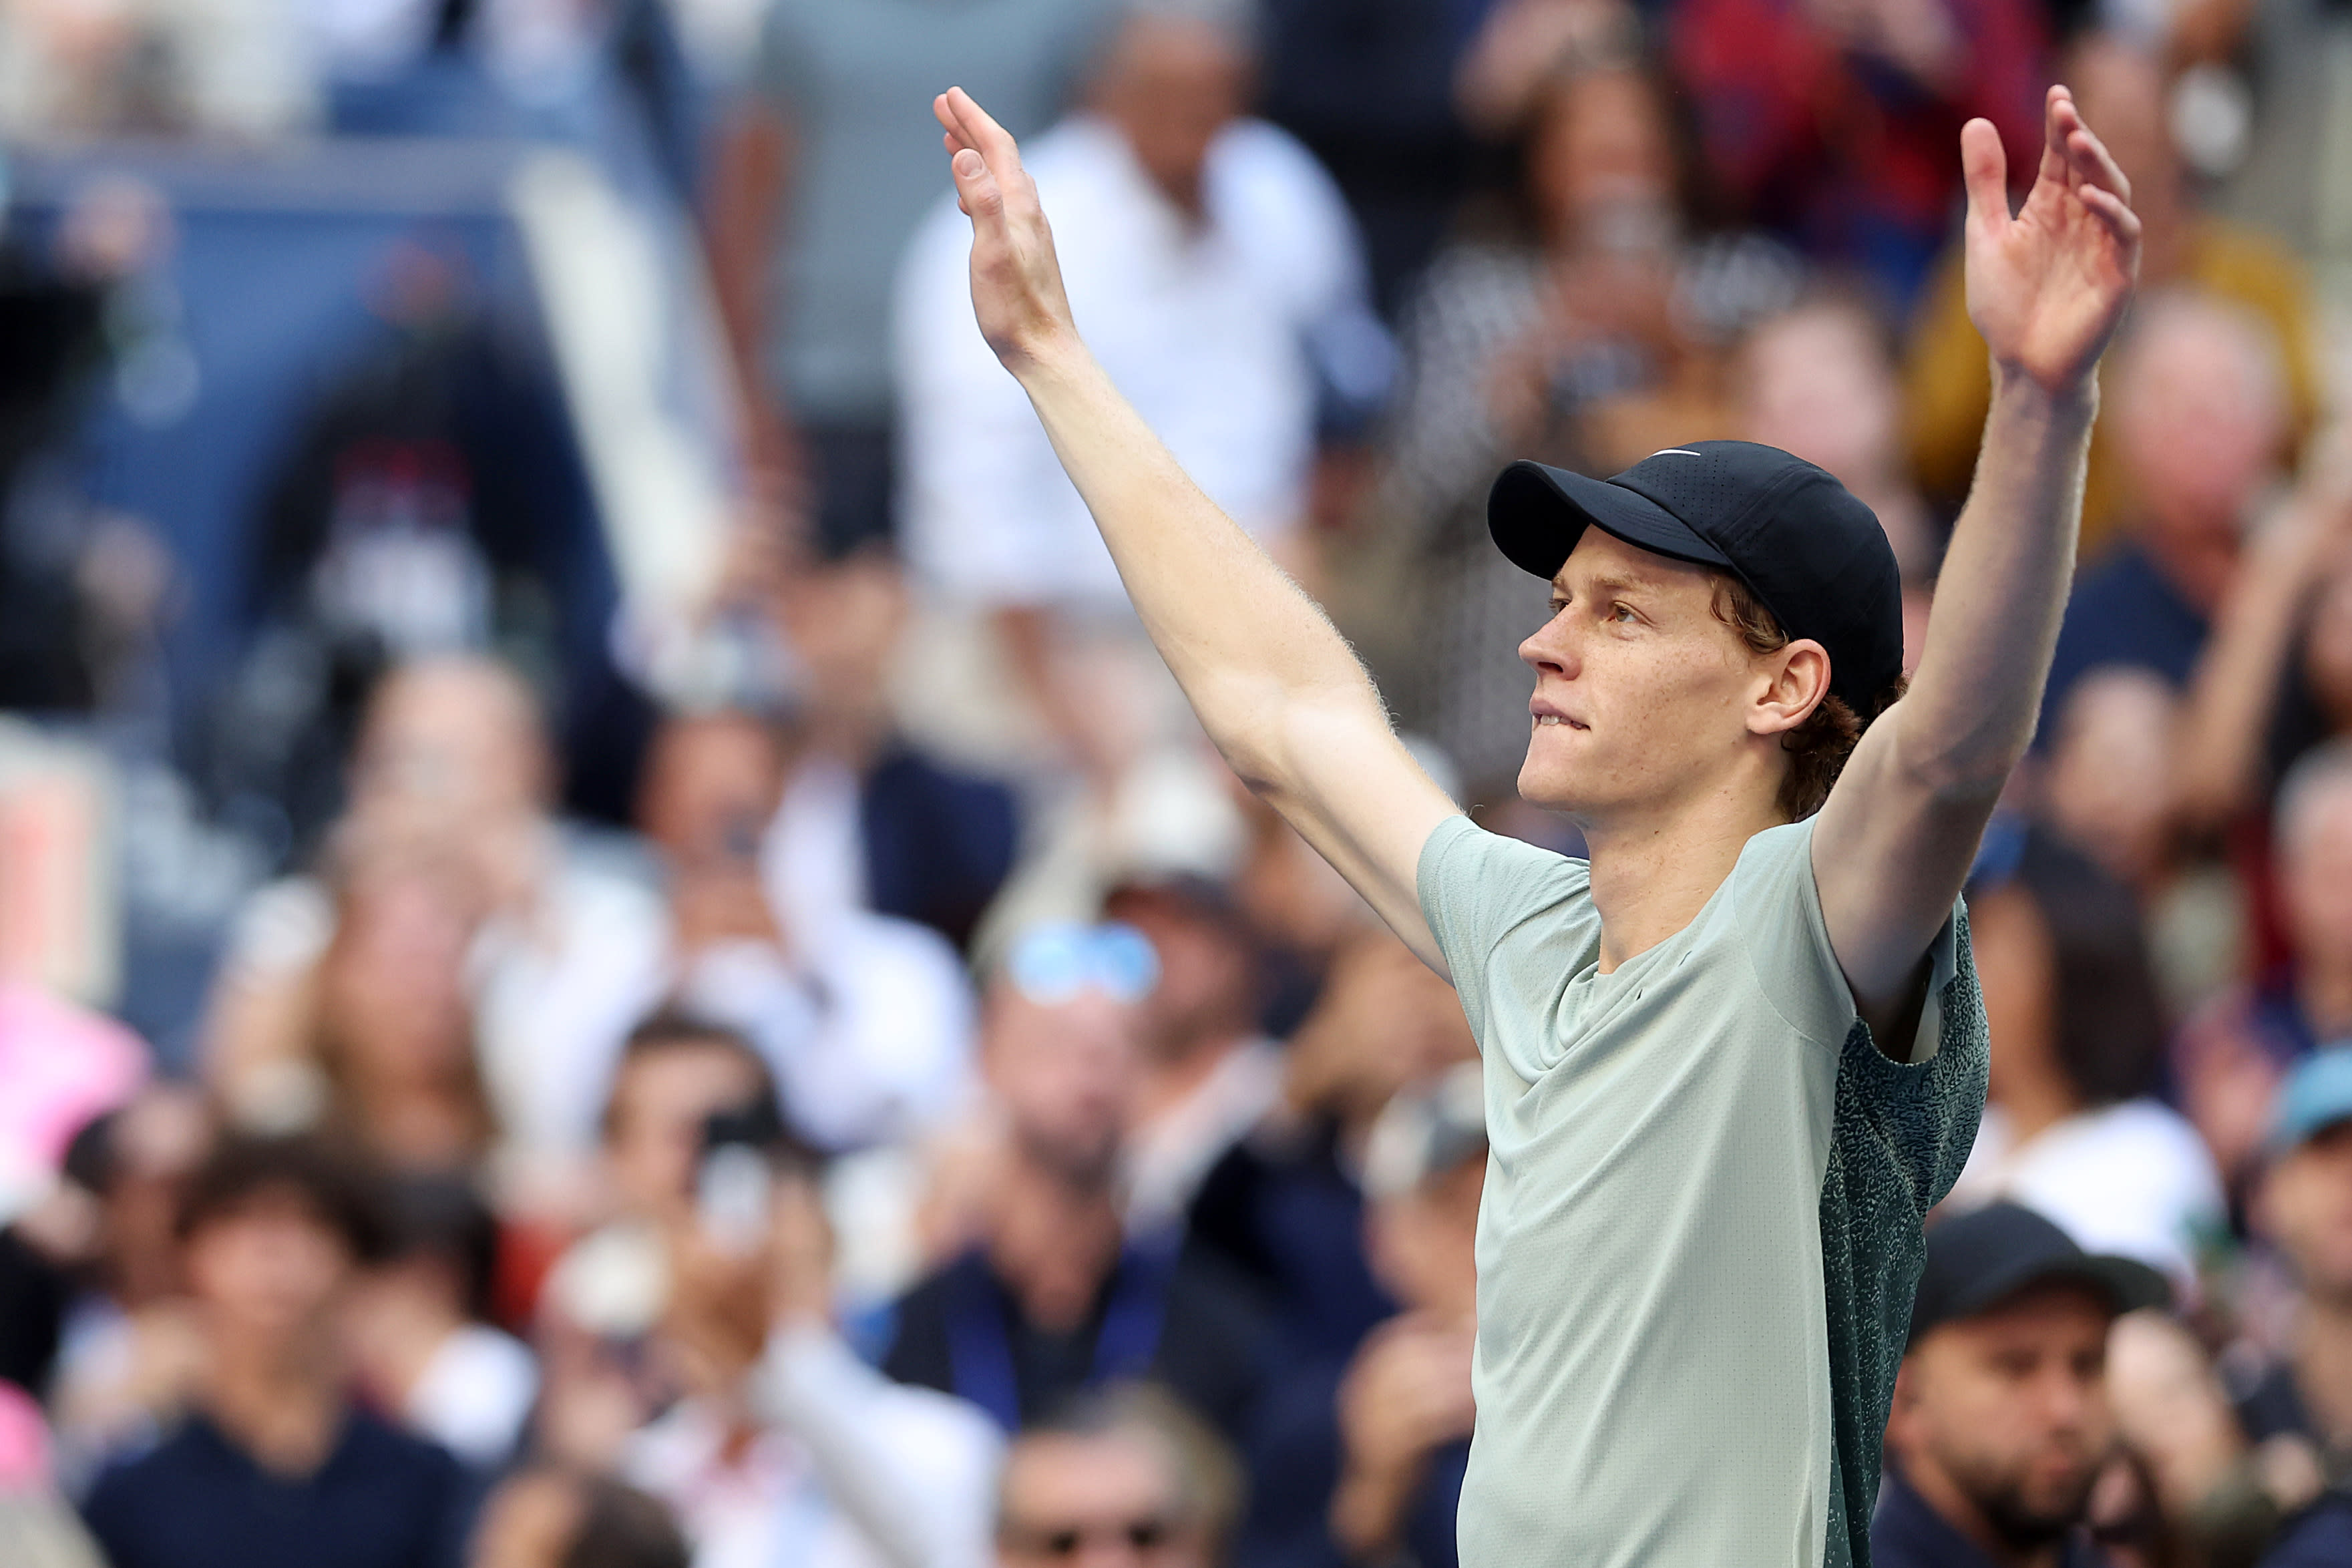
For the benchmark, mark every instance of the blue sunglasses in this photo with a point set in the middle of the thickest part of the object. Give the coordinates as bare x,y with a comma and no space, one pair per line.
1051,964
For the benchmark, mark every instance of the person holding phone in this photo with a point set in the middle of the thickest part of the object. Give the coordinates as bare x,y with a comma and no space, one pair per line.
1732,1057
865,1019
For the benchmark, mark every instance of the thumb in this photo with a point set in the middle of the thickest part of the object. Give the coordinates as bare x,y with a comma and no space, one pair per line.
1984,168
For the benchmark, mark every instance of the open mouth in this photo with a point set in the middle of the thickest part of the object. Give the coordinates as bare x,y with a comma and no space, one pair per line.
1557,721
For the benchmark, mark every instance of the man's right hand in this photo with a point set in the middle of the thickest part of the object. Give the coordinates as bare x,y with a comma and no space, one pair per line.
1016,281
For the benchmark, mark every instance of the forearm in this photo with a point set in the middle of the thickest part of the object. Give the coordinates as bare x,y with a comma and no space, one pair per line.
811,1385
1976,694
2233,693
1244,642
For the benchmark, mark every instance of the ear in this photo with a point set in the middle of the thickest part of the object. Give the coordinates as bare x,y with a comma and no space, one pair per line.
1792,682
1902,1416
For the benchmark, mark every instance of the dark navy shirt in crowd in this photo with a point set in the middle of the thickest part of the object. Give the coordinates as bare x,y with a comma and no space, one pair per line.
2319,1537
1906,1534
1175,1315
2123,611
382,1500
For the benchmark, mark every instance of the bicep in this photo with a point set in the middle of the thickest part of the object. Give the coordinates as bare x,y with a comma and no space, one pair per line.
1357,795
1890,853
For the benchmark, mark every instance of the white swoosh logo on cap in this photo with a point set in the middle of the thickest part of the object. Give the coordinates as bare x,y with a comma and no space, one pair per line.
1676,452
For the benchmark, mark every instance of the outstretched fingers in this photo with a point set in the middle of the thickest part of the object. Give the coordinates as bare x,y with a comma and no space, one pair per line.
2096,180
977,130
2059,116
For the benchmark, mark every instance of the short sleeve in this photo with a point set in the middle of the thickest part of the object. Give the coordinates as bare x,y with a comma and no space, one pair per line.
1779,908
1476,887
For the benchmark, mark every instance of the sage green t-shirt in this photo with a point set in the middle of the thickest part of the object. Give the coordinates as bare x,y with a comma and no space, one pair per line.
1700,1232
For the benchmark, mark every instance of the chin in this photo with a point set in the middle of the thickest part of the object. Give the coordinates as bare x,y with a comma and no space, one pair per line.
1547,783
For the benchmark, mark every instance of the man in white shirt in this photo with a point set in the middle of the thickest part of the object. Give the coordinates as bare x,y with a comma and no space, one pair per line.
1211,259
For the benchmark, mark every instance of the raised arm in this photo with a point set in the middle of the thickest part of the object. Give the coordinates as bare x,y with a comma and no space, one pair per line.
2046,287
1277,688
2234,693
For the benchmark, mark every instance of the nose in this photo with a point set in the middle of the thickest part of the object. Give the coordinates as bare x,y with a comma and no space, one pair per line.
1551,649
2071,1402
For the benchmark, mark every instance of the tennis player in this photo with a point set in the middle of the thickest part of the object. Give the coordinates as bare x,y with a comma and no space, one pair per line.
1732,1057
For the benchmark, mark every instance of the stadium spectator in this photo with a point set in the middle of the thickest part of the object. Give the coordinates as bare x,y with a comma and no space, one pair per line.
393,1036
1820,379
2072,1128
1586,333
548,1517
2276,677
825,167
2113,792
863,1018
1056,1294
1211,256
275,1464
786,1447
2230,1059
2122,90
1209,1075
2197,413
453,753
1361,1460
876,816
2001,1422
422,1342
2296,1402
675,1073
1119,1475
1835,124
407,514
128,1351
1285,1206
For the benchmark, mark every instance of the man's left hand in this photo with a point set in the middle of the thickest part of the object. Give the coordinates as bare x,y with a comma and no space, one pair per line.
2047,287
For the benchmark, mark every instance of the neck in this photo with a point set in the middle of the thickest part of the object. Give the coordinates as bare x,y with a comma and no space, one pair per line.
418,1124
1653,873
1054,1243
1178,1075
280,1401
1958,1509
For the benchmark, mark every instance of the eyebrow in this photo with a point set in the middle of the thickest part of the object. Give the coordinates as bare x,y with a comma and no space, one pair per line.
1613,583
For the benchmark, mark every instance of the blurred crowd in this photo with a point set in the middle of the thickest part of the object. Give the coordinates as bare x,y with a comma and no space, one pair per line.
891,1099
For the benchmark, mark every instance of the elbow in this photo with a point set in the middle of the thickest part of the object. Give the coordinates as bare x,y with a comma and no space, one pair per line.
1958,768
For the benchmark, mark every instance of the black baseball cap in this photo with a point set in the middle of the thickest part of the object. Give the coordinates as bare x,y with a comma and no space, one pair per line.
1804,544
1978,1259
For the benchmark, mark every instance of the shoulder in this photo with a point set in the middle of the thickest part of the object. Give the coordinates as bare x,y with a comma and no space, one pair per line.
1459,846
131,1471
1477,887
394,1458
1773,879
918,1323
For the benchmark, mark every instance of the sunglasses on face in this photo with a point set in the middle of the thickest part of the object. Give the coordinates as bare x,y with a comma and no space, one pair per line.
1139,1536
1051,964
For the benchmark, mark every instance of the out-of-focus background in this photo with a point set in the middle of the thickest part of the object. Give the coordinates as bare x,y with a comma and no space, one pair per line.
613,950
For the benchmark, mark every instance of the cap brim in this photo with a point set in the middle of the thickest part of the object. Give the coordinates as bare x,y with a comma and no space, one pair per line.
2127,1283
1537,513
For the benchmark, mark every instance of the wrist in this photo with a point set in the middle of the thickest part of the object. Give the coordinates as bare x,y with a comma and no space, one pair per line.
2070,406
1056,357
